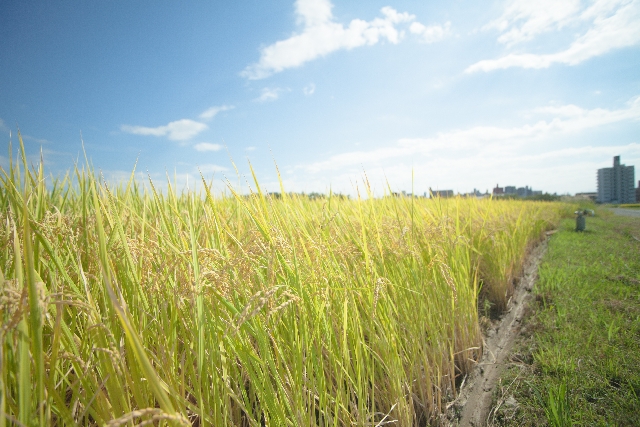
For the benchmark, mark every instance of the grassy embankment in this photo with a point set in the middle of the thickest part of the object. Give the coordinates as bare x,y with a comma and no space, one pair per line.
579,360
125,305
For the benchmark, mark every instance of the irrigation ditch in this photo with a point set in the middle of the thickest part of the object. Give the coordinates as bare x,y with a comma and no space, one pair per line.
473,406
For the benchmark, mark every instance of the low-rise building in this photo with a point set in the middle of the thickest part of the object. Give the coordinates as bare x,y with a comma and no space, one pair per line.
524,191
510,189
591,196
441,193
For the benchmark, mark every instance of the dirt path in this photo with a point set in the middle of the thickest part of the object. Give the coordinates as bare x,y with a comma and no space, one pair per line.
474,400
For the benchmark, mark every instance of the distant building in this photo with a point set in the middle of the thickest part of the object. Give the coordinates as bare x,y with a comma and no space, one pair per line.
475,193
524,191
638,192
441,193
590,196
615,185
510,189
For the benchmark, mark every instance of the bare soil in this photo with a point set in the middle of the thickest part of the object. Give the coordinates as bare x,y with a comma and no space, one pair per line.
473,406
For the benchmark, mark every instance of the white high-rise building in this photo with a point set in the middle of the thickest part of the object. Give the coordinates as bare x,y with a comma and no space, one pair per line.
615,185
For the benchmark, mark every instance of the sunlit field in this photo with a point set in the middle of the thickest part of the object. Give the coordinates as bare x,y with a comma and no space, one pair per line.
129,306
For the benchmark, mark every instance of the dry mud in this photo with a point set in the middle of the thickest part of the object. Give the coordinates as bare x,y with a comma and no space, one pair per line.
473,406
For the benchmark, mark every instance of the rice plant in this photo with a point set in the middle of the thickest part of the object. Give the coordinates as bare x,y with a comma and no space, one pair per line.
125,305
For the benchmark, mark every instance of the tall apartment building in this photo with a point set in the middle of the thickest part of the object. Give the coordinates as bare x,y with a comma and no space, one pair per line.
615,185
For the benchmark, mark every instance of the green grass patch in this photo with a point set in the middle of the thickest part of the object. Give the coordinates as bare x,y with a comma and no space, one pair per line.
577,362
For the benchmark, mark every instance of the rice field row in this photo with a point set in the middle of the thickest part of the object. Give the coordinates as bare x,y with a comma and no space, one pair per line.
130,306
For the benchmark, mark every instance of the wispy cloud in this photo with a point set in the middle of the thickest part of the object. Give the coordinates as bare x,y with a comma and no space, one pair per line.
549,170
187,179
250,149
487,140
180,130
613,24
523,20
34,139
3,127
211,168
320,36
207,146
210,113
4,162
309,90
269,94
115,176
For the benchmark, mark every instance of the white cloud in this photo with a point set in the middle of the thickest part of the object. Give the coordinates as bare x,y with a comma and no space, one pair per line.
309,90
313,13
115,176
269,94
180,130
321,35
207,146
210,113
578,119
613,24
189,179
250,149
485,141
432,33
3,126
523,20
211,168
34,139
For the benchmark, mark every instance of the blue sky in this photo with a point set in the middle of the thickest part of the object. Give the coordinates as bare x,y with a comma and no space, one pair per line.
465,94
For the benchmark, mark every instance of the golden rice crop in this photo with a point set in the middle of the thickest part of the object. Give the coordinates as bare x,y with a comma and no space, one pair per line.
130,306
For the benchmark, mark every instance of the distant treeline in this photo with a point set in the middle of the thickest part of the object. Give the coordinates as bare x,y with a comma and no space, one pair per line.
311,196
545,197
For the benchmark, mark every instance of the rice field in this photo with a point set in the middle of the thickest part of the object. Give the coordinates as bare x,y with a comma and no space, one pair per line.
125,305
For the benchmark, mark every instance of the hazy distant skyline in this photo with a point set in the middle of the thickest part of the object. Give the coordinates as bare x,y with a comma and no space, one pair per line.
465,94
